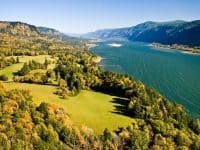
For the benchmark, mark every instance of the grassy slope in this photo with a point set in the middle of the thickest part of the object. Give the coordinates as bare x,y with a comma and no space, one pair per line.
92,109
8,71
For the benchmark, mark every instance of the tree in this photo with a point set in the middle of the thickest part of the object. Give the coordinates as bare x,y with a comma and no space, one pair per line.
195,125
63,85
3,77
43,108
46,63
106,135
17,60
65,135
25,69
44,79
182,139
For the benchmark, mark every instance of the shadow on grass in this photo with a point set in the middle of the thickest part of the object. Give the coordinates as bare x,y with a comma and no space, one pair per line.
121,106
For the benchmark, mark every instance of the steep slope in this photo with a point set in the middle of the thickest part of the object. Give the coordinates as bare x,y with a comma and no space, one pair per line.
53,33
174,32
48,31
21,38
18,28
177,32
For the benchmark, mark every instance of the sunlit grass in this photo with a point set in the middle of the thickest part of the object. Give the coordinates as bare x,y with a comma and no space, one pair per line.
92,109
8,71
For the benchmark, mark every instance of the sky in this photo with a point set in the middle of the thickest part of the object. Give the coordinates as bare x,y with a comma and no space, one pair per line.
81,16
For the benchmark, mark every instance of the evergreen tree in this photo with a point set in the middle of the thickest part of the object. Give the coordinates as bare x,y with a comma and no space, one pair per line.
25,69
17,60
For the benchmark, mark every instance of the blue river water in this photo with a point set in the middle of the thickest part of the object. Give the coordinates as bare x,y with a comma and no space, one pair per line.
176,75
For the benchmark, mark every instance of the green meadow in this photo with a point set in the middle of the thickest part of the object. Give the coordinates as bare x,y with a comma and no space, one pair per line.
93,109
8,71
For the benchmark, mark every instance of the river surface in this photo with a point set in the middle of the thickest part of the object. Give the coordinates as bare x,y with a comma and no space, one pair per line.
174,74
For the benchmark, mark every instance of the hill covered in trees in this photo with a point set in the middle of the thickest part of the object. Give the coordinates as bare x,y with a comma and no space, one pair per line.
17,38
24,125
157,123
174,32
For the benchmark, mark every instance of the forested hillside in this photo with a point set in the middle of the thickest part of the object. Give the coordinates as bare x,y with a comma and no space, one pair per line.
71,67
18,38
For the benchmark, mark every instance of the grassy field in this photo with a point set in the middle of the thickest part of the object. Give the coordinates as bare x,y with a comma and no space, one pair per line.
8,71
93,109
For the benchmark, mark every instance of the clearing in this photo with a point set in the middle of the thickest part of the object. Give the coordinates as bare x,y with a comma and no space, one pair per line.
93,109
8,71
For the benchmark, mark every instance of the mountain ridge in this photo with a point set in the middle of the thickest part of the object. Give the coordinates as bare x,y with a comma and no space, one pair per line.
26,29
171,32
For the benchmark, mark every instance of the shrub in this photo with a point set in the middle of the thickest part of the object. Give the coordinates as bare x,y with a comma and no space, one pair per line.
3,77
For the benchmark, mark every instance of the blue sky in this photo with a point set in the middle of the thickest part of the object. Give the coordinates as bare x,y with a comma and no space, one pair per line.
80,16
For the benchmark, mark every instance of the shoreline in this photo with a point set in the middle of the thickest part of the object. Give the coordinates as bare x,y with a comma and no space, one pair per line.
190,53
181,48
98,59
91,45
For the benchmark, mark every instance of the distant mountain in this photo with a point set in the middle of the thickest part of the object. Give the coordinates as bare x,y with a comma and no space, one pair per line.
57,34
173,32
74,35
49,31
107,34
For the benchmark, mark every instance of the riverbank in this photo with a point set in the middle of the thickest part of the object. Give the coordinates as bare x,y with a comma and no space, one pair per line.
98,59
91,45
185,49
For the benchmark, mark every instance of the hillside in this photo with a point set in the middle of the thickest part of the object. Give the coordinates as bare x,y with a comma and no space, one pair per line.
70,71
174,32
18,28
18,38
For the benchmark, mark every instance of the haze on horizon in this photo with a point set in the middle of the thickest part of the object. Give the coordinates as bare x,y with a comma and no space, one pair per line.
81,16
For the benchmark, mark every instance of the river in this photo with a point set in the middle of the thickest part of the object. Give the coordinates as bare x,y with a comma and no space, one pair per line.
174,74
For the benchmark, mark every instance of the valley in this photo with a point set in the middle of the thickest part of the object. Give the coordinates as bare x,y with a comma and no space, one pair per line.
99,75
55,95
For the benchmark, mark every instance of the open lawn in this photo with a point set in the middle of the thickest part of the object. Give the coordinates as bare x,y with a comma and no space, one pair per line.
93,109
8,71
39,58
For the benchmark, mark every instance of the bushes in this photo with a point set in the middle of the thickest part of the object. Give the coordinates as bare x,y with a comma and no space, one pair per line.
31,65
36,77
7,61
24,132
3,77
